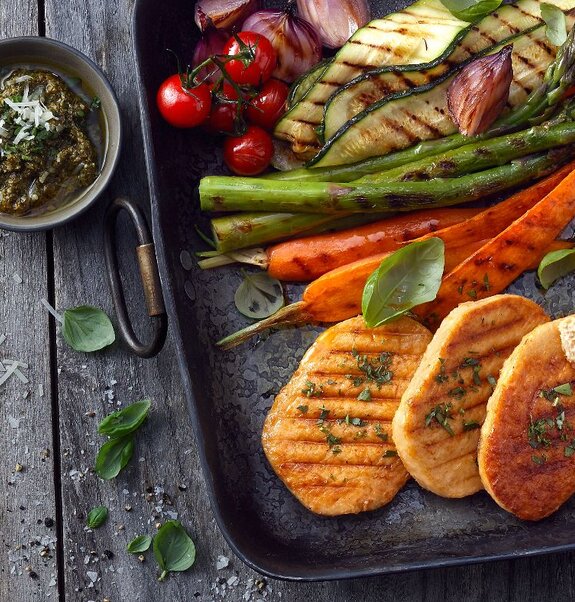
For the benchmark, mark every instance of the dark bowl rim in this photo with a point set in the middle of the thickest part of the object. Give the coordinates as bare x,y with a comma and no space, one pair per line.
114,157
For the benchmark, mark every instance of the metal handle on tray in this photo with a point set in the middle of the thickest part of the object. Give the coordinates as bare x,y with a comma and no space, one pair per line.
146,256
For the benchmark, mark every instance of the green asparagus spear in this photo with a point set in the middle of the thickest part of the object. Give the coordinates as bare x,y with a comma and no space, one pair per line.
481,155
221,193
541,104
243,230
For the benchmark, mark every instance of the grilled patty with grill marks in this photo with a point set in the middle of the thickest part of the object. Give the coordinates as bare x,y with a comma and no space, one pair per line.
436,428
527,446
328,433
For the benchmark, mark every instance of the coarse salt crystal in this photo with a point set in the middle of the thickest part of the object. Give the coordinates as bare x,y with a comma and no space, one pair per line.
222,562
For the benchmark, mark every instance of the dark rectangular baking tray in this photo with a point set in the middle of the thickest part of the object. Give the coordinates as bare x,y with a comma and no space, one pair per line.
229,393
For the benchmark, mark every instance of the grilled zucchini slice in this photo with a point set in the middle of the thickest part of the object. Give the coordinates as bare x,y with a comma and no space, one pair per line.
371,87
405,118
415,35
304,84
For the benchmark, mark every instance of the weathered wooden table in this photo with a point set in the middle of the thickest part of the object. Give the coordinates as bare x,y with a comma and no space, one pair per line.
48,425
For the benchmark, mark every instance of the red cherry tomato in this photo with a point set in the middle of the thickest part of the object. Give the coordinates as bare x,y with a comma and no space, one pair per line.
259,68
223,116
181,107
249,154
269,105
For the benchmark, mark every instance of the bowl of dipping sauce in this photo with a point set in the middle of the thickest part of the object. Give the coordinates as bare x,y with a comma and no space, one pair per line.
60,133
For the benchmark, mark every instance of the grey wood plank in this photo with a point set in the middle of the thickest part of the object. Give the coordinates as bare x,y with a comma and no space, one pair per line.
27,503
164,476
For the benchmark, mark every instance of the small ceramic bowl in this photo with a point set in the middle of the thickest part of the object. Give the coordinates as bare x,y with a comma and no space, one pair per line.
62,59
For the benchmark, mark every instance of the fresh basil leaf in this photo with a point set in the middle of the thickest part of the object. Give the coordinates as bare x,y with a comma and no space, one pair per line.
139,544
113,456
406,278
556,24
126,421
555,265
87,328
471,10
259,295
97,517
173,548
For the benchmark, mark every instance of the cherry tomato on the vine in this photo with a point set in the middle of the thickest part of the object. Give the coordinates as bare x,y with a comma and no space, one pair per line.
223,116
260,62
249,154
183,107
269,104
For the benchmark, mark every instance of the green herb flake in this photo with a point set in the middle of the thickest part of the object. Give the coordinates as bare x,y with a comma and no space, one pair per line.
97,517
323,414
476,377
441,377
303,409
471,425
376,370
486,285
537,433
311,389
570,449
539,459
365,395
457,392
389,453
380,433
491,380
564,389
440,414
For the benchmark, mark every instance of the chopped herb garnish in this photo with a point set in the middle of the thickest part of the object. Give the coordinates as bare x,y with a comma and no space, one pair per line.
375,370
441,414
560,420
476,377
537,433
303,409
564,389
441,377
336,449
469,361
389,453
380,433
570,449
354,421
471,425
323,414
491,380
329,436
457,392
486,285
311,389
472,293
365,395
539,459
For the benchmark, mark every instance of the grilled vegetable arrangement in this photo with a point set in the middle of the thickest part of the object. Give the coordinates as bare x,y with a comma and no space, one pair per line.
394,133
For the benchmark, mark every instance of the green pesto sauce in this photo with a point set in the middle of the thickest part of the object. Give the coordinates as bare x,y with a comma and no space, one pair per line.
56,159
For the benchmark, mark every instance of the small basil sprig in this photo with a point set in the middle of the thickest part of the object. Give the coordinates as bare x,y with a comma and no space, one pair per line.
97,517
471,10
126,421
120,426
555,265
173,548
406,278
556,24
87,328
139,544
259,295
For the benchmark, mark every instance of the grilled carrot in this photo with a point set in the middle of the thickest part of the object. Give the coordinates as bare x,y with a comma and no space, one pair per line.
499,262
337,295
307,258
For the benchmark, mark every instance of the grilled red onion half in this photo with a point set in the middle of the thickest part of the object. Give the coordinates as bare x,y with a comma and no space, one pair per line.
223,14
335,20
212,42
295,41
480,92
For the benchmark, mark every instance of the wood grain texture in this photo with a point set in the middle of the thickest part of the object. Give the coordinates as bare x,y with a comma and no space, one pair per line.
27,503
164,477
